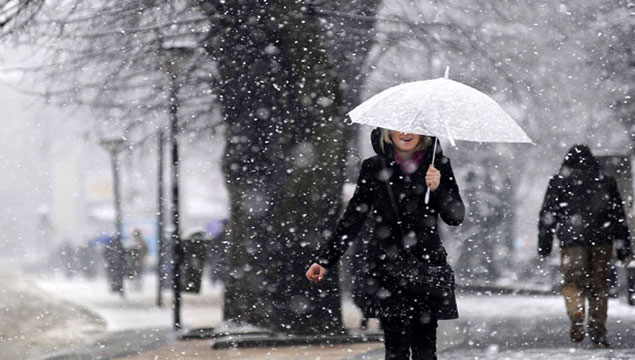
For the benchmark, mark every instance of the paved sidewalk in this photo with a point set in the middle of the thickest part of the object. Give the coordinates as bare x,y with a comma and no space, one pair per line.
138,329
201,349
33,324
137,310
492,326
448,336
133,323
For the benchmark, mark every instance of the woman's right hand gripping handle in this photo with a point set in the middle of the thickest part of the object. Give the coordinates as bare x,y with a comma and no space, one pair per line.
316,273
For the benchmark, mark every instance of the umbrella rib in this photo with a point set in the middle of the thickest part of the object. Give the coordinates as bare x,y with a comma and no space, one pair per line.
417,116
447,130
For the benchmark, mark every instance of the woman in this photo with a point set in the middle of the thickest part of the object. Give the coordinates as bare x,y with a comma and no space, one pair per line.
391,190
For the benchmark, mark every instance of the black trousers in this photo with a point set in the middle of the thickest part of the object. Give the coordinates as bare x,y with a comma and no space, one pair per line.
403,335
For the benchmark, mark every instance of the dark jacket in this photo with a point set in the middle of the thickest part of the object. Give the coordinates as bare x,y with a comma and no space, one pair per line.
386,251
583,207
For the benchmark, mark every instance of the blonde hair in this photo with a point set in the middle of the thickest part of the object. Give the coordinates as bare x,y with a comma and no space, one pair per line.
424,141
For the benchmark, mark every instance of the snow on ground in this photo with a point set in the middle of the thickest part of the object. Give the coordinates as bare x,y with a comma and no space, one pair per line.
541,354
490,326
534,327
501,327
32,323
138,309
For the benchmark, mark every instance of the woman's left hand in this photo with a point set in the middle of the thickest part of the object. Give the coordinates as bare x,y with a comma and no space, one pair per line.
433,178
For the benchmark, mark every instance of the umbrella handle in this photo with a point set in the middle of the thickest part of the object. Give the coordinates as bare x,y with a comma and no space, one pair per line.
434,154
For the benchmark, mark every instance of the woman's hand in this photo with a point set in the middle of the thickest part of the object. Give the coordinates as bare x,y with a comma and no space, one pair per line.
433,178
316,273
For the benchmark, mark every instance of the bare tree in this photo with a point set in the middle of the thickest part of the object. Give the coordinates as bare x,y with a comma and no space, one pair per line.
115,58
15,15
274,73
615,30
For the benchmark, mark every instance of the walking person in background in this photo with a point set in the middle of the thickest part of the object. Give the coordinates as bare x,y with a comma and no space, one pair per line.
217,254
583,209
137,251
391,189
114,254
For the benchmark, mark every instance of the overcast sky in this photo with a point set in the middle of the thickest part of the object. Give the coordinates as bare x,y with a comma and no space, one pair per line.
26,124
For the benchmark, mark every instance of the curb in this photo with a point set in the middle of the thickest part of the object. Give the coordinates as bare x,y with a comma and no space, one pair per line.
281,340
118,345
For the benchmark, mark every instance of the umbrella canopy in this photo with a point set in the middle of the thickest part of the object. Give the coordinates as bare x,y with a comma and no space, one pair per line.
442,108
100,240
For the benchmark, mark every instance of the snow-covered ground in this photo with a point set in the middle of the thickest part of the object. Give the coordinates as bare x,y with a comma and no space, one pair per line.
137,310
34,323
43,315
490,327
542,354
534,327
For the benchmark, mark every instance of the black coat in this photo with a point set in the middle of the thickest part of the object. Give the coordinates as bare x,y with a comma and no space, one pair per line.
583,207
386,249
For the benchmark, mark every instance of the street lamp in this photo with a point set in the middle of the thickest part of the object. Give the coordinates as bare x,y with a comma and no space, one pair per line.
161,267
176,56
116,259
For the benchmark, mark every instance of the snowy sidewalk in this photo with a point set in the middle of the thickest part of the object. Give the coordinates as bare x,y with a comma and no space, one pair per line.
508,327
134,323
33,324
490,327
137,327
535,327
137,310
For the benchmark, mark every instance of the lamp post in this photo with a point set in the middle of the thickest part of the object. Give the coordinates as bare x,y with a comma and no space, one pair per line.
115,267
161,274
175,55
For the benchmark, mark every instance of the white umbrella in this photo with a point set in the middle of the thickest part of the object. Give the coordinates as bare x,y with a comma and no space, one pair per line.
440,108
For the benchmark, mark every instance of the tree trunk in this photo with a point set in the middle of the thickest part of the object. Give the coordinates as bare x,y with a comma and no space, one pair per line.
284,162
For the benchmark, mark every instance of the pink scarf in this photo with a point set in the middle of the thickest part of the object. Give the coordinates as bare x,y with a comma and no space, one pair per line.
409,166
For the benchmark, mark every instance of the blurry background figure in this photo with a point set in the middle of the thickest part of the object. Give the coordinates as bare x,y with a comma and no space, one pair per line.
136,253
217,252
195,250
87,260
115,264
72,260
67,259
